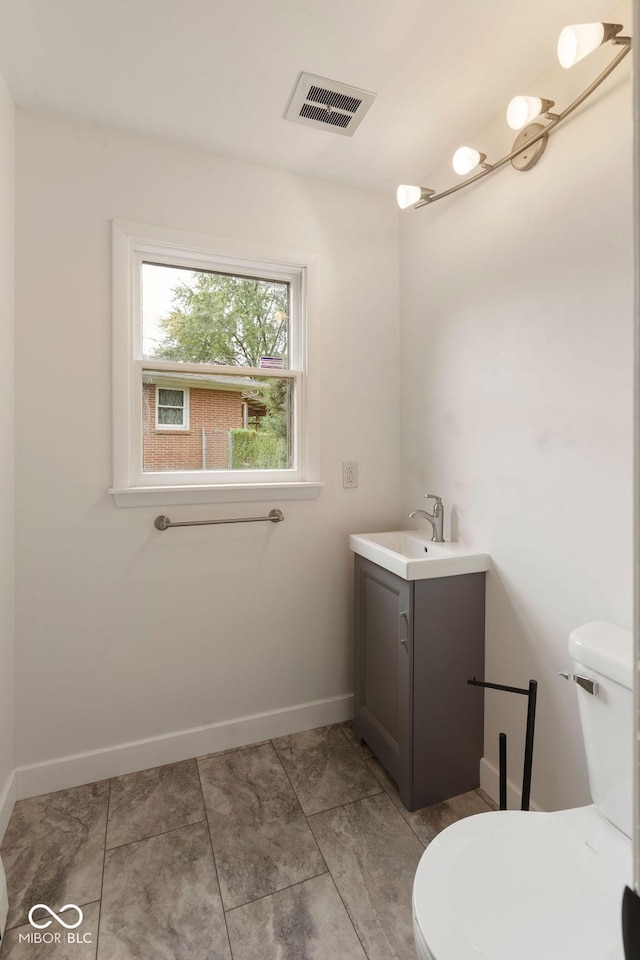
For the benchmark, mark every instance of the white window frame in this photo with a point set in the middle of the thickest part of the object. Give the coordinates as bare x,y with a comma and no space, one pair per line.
184,426
134,243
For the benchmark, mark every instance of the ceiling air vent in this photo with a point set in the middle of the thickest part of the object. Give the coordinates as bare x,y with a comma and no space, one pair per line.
327,104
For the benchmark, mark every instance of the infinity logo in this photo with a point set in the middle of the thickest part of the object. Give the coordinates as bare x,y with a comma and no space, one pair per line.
47,923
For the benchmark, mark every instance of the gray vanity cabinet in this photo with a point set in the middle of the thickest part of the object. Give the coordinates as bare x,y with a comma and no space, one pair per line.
417,643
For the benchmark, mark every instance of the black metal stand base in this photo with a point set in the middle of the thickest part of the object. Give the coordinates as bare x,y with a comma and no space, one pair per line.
631,924
531,693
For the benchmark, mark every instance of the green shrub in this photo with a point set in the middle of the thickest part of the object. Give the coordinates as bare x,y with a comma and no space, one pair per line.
253,450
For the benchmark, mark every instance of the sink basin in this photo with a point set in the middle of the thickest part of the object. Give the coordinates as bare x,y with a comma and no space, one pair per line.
413,556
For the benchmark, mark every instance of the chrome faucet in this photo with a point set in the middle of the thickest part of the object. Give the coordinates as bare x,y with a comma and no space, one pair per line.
436,519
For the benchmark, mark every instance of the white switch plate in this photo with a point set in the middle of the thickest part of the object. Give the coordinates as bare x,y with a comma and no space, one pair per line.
349,474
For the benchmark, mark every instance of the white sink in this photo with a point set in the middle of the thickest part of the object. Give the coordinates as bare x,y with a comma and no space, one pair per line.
413,556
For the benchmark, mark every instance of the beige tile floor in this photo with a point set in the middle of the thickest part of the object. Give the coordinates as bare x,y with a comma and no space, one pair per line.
293,849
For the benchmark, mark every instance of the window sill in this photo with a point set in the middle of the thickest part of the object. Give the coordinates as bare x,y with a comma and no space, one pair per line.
224,493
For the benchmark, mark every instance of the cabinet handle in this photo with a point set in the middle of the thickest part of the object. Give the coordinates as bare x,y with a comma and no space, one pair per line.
404,640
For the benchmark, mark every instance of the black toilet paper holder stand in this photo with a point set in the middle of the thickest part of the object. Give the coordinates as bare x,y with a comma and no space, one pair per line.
531,692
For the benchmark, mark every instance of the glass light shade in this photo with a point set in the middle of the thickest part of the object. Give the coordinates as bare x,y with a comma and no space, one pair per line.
408,195
578,41
465,159
522,110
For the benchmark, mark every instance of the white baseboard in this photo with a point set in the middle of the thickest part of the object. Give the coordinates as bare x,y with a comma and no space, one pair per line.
7,800
490,783
73,771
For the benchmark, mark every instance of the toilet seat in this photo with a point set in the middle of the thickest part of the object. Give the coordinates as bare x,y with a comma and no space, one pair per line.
484,890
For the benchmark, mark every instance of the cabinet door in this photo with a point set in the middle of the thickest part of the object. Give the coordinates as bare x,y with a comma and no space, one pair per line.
384,664
448,715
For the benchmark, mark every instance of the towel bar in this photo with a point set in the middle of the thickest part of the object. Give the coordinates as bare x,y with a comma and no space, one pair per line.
163,523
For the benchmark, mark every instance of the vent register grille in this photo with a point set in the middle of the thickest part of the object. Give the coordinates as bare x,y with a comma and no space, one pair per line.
327,104
329,99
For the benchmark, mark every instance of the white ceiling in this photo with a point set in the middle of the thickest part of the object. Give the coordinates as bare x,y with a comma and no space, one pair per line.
218,73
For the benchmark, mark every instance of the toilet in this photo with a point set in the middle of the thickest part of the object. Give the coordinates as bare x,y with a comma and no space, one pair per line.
512,885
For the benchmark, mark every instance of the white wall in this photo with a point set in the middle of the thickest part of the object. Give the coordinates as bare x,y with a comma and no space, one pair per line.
636,183
125,633
516,360
6,459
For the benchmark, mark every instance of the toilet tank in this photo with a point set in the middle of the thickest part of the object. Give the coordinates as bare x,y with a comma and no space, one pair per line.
604,653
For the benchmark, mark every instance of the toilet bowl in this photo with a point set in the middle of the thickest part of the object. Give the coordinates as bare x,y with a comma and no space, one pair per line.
512,885
523,886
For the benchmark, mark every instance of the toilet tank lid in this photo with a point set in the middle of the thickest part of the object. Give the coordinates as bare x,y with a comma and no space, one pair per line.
605,648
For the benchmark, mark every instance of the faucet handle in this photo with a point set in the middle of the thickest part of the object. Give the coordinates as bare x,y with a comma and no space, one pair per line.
438,500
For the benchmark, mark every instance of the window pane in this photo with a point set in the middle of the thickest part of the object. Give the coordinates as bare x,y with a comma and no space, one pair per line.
170,415
170,398
235,423
198,316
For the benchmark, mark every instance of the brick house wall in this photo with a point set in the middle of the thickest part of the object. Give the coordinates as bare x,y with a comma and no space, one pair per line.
164,449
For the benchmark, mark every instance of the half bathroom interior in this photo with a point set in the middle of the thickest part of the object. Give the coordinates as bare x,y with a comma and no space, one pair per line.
186,696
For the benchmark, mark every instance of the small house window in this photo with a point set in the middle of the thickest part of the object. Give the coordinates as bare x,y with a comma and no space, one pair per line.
172,409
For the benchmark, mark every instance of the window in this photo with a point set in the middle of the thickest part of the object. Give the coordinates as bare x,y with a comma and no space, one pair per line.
172,409
210,385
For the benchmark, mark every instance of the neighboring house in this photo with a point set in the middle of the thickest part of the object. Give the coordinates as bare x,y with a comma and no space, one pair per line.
187,419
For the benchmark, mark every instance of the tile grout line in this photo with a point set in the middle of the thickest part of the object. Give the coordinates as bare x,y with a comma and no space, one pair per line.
265,896
408,822
349,917
486,803
431,839
335,806
333,879
152,836
222,753
300,805
213,857
352,744
348,803
104,863
351,920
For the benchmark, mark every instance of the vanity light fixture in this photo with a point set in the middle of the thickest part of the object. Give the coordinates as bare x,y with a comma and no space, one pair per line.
466,159
522,110
575,43
408,196
578,41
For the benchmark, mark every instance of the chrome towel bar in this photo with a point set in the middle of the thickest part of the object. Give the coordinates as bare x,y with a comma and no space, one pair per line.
163,523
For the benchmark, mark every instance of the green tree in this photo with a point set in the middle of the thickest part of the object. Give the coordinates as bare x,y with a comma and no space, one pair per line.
275,397
217,318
